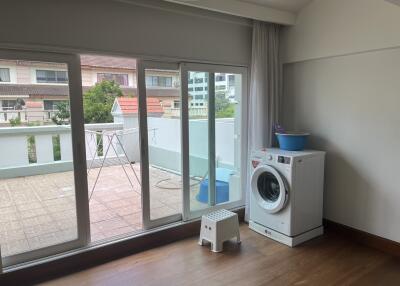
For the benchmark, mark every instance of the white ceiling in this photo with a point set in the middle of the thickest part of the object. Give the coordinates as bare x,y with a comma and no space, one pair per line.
286,5
275,11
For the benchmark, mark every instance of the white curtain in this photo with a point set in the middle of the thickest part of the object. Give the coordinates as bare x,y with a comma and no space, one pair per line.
264,90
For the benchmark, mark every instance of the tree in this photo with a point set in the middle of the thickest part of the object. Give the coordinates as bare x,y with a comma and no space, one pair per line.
223,107
15,121
98,101
62,115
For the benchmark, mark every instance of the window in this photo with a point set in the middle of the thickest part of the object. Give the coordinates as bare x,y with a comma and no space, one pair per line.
5,75
199,88
220,77
51,104
177,104
198,80
190,89
51,76
220,87
162,81
8,104
198,96
231,79
121,79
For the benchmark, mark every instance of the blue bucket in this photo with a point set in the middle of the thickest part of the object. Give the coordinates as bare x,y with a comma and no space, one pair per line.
292,141
222,192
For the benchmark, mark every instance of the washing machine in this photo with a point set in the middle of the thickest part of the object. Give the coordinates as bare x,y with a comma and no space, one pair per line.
286,196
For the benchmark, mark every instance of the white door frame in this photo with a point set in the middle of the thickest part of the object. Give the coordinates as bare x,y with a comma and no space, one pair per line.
141,67
211,69
78,148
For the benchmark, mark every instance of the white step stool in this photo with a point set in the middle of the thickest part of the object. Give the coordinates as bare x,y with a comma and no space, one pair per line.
217,227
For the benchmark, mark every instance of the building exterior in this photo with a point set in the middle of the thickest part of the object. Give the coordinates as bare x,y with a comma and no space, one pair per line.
46,84
198,87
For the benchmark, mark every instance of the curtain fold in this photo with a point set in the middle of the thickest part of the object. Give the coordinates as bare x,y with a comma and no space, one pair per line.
264,101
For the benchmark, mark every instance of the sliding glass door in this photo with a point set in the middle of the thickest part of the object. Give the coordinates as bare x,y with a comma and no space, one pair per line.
160,130
43,190
192,153
214,153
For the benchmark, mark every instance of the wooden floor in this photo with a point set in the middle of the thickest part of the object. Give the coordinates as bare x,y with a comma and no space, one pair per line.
328,260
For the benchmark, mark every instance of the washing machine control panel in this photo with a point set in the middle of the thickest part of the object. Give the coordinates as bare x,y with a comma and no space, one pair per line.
283,160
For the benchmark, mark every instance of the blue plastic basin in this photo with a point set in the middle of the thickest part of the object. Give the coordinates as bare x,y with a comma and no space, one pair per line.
221,189
292,141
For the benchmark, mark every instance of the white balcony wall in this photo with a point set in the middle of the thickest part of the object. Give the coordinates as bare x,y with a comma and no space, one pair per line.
44,148
13,150
66,147
164,144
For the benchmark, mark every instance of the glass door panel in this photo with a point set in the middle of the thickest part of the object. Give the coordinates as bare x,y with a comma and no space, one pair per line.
212,129
228,93
159,92
42,177
112,146
198,115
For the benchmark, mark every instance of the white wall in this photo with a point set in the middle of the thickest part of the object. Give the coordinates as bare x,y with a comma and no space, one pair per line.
122,27
336,27
341,83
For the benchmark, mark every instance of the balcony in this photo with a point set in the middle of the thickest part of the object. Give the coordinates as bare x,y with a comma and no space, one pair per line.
37,197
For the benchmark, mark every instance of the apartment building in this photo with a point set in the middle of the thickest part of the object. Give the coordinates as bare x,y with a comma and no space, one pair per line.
198,87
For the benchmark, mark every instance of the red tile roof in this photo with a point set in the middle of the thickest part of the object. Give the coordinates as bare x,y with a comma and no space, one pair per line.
108,62
130,105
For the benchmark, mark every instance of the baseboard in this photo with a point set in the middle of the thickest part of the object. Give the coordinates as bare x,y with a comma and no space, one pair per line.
362,237
291,241
93,257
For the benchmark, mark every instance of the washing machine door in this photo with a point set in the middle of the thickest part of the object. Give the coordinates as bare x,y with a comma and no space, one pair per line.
269,188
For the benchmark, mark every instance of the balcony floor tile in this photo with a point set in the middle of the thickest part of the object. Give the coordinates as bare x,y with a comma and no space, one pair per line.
39,211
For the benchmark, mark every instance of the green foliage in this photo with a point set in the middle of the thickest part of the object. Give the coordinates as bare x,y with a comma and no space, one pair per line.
34,123
31,149
228,112
15,121
100,149
62,115
56,147
223,108
98,101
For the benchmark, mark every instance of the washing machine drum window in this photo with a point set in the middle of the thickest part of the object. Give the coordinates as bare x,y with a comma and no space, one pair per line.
269,188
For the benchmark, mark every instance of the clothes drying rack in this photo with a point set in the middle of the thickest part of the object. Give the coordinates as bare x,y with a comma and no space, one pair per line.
112,137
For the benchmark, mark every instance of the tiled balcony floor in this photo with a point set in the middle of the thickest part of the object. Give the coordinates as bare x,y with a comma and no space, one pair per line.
39,211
